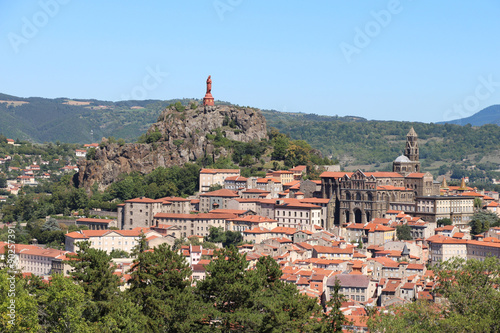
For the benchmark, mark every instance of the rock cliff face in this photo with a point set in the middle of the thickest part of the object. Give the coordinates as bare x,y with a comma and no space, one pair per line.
183,139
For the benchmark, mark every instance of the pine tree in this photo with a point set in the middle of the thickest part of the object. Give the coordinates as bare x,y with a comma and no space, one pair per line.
160,285
334,319
93,269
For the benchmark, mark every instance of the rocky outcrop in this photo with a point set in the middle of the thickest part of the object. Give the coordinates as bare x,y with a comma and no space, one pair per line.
182,137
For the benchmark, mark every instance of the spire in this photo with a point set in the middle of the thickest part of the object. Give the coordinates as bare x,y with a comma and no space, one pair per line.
463,187
412,132
411,149
443,184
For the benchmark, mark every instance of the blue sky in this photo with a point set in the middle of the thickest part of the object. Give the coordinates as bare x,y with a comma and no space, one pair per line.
406,60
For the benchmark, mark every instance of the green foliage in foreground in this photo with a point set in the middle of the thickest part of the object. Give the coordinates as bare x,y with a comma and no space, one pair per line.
473,302
161,297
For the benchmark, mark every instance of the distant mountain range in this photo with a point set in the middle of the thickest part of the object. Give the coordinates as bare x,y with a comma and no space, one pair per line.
489,115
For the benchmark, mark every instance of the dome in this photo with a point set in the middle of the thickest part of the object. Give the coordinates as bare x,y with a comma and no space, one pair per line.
402,159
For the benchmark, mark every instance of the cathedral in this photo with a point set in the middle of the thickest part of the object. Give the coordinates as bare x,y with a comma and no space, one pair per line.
362,196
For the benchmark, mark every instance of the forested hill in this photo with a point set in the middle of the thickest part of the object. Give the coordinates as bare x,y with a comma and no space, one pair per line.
61,119
356,141
352,140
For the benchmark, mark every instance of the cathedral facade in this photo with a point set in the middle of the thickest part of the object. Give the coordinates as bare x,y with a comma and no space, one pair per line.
362,196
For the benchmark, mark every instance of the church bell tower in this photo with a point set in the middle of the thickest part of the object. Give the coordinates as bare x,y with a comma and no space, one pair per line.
411,150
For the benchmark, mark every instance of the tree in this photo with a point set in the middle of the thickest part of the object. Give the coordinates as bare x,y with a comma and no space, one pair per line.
227,238
254,300
93,269
22,316
335,319
472,301
215,235
444,221
280,146
471,288
482,221
419,316
61,305
404,232
297,153
232,238
141,246
118,254
160,285
478,203
214,187
51,225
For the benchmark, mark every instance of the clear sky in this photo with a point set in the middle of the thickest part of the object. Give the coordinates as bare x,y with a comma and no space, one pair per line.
420,60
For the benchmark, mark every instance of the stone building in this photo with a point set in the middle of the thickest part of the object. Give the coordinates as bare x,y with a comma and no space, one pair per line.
362,196
209,177
139,212
409,162
216,199
458,208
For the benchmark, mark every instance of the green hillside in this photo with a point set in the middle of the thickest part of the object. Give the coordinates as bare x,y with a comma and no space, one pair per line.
354,141
50,120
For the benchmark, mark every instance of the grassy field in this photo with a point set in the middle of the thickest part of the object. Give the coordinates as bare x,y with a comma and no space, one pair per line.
14,103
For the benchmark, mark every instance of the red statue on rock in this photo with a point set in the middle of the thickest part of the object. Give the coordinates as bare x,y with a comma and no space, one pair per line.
208,100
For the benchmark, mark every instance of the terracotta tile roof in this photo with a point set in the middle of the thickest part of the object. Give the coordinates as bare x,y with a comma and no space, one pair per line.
220,193
228,211
253,219
332,250
382,174
282,172
386,262
335,174
391,285
284,230
415,175
446,227
144,200
283,240
256,230
174,199
267,180
472,194
373,227
298,168
220,171
304,245
303,281
255,190
415,267
47,252
200,216
314,200
356,226
236,179
440,239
